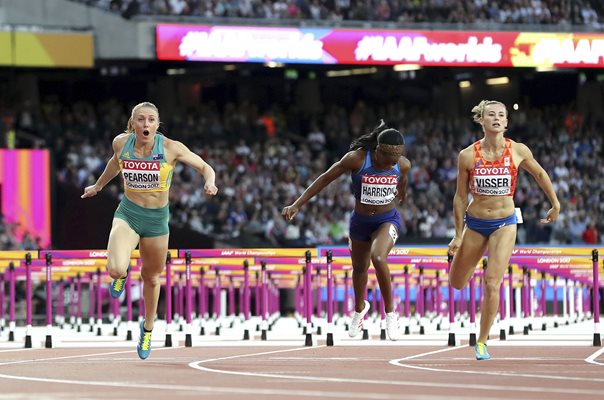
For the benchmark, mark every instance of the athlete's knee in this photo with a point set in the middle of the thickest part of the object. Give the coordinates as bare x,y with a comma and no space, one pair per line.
378,259
491,286
362,269
456,282
150,278
360,266
117,268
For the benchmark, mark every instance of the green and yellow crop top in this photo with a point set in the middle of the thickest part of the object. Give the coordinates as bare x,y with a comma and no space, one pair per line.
149,174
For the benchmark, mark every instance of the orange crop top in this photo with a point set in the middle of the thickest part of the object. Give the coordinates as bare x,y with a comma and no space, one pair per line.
493,178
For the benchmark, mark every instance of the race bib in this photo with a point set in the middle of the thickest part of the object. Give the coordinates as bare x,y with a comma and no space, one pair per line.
378,190
496,181
141,175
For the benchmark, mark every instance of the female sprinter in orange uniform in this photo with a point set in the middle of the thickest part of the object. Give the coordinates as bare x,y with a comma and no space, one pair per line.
146,159
379,176
488,169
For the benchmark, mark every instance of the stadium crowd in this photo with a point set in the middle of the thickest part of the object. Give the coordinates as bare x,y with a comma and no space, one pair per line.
264,160
556,12
11,240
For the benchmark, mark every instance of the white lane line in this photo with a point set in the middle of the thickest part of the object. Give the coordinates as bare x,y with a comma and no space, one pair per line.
506,359
592,359
215,389
256,354
411,357
198,389
318,358
15,349
77,356
462,386
399,363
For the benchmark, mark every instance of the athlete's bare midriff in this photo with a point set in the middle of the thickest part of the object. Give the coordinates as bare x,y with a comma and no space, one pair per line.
491,207
368,209
148,199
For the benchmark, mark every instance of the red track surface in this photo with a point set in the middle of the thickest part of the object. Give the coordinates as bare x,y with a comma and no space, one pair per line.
361,372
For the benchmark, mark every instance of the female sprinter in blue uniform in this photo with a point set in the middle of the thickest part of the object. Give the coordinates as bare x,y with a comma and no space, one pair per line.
379,176
146,159
488,169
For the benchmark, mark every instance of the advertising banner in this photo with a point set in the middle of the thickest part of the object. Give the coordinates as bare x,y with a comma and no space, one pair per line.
378,47
33,49
6,48
46,49
25,192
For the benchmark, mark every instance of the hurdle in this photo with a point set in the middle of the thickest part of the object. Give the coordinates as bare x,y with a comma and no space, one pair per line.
452,340
419,269
246,299
597,341
329,339
263,302
168,286
308,298
472,339
189,301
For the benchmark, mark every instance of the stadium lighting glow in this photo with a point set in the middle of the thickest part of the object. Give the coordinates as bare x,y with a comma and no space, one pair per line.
273,64
176,71
502,80
464,84
546,69
336,74
349,72
407,67
364,71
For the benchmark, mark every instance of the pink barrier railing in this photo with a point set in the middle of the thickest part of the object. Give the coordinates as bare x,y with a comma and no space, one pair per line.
423,270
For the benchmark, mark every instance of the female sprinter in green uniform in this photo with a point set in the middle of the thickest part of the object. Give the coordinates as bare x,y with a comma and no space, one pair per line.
146,160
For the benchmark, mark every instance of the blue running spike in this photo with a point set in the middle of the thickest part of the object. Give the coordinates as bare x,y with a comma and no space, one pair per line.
117,286
481,351
144,342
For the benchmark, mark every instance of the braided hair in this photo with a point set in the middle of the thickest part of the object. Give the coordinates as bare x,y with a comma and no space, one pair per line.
382,134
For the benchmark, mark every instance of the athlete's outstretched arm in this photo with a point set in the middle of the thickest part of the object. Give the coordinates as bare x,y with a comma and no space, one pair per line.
530,165
401,189
186,156
111,170
460,200
347,163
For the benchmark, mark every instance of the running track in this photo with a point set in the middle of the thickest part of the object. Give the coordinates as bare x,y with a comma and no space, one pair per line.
371,370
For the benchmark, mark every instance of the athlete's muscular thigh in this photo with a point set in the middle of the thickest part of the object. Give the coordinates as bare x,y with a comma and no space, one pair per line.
383,240
472,248
500,246
360,253
154,251
122,241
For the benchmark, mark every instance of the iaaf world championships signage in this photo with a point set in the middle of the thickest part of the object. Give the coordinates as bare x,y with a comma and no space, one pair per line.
378,47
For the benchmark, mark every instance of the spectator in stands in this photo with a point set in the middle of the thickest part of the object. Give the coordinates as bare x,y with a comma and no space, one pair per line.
379,177
8,239
488,169
316,139
584,12
146,160
590,234
250,164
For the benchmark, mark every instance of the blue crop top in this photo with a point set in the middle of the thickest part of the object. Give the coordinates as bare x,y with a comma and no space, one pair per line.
375,187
